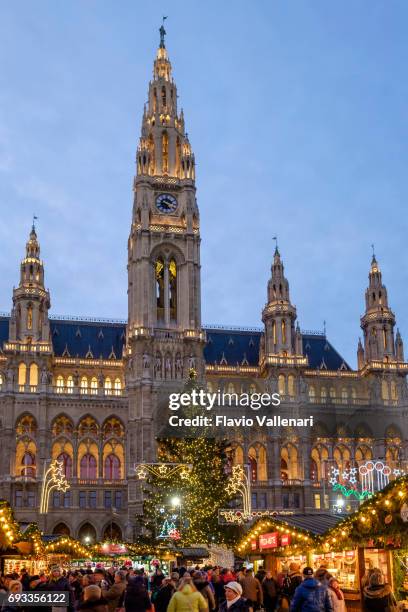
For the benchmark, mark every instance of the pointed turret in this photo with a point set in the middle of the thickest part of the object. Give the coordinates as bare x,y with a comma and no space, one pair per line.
399,346
378,320
360,355
29,316
164,148
279,315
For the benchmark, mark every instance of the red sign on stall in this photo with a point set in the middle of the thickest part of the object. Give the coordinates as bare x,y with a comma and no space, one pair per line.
268,540
285,539
253,544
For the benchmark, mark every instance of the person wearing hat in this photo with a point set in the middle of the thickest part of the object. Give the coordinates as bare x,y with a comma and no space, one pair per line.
311,595
234,602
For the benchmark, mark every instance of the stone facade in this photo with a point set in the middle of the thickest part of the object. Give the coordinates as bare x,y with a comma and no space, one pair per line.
89,392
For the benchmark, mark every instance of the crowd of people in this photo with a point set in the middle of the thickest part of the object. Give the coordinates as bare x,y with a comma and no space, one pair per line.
211,589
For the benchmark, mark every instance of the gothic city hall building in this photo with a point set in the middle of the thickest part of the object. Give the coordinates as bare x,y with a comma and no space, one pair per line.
89,392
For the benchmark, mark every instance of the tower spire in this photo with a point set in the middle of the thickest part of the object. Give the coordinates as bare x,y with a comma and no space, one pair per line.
378,320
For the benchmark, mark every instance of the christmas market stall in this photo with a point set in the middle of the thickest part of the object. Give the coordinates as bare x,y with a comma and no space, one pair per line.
376,536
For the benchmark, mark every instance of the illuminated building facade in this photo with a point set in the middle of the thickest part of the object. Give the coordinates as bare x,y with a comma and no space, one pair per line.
88,392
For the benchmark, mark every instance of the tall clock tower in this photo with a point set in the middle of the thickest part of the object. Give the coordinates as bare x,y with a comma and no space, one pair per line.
164,336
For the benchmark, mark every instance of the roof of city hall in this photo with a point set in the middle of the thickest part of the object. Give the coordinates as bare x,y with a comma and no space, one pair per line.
79,337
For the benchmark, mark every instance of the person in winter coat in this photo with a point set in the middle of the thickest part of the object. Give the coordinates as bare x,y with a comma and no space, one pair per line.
252,590
113,594
164,594
93,600
14,587
378,596
311,596
270,592
291,581
136,596
234,602
187,598
204,588
336,594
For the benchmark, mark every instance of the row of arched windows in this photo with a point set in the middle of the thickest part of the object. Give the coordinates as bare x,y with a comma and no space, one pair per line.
88,459
291,462
63,425
89,385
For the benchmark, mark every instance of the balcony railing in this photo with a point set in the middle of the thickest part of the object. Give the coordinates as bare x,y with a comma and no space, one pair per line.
64,390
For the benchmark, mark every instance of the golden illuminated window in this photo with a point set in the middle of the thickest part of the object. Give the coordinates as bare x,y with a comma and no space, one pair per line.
84,385
60,384
30,317
312,393
323,394
281,385
394,393
274,331
94,385
33,375
70,384
118,386
108,386
291,385
283,331
344,396
165,153
332,392
22,374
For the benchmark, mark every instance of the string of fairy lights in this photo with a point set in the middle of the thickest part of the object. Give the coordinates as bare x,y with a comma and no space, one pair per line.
11,534
382,519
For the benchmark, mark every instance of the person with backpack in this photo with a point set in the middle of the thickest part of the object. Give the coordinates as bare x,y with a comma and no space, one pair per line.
311,595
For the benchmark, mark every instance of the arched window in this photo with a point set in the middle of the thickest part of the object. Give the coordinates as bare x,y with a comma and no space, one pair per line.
384,390
108,386
112,532
283,327
87,469
253,465
291,385
84,385
118,386
262,468
28,463
165,153
344,396
163,97
332,393
173,290
112,467
238,456
22,374
29,317
62,425
87,534
394,394
70,384
88,427
159,270
60,384
323,395
312,393
274,332
66,460
26,425
61,529
33,375
284,469
314,473
281,385
94,386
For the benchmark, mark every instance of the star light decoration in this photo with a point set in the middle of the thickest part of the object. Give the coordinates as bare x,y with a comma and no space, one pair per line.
240,483
54,478
163,470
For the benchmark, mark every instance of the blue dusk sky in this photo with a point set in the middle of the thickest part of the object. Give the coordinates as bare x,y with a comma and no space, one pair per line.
297,114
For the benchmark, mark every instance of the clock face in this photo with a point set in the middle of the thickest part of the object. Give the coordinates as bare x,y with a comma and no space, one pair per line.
166,203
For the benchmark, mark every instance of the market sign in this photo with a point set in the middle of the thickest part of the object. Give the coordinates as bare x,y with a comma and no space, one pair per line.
268,540
113,549
253,544
285,539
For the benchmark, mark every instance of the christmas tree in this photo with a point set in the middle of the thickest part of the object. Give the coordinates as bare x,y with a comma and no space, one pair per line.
198,496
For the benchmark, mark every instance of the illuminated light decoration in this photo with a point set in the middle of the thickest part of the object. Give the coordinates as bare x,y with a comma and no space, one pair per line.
54,479
163,470
237,517
374,476
240,483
